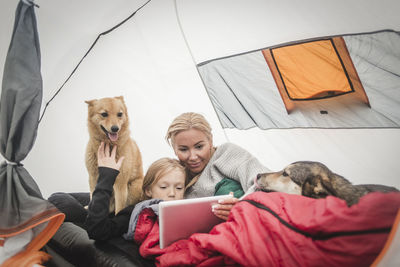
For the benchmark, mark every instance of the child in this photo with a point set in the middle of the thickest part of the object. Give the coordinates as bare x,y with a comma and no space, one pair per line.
164,180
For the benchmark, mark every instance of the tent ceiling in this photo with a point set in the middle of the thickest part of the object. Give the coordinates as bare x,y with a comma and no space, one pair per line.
214,28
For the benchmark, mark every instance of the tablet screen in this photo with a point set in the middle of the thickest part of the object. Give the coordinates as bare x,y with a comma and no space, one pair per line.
179,219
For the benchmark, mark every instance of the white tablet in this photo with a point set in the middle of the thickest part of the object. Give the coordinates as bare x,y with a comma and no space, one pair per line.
179,219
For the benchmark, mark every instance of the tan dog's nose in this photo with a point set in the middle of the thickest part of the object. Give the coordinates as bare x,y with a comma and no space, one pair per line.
114,128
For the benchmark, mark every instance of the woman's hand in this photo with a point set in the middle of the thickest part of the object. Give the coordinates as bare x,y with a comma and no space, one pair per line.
105,159
224,206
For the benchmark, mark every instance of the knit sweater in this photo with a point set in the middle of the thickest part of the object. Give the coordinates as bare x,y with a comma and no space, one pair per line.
228,161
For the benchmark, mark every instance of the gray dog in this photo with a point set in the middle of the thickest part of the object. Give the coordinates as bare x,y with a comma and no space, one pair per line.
314,179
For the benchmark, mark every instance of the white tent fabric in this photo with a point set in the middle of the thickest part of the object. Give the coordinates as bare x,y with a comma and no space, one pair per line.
147,60
221,28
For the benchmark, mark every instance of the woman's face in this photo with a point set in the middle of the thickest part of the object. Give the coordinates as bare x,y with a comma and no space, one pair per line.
170,186
193,149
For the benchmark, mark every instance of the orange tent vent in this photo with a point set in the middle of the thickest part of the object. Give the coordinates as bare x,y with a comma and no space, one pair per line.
314,70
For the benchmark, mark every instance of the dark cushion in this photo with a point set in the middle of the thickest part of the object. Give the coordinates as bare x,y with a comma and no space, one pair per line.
72,243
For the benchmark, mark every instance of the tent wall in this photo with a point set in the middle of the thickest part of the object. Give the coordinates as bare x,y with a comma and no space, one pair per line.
147,61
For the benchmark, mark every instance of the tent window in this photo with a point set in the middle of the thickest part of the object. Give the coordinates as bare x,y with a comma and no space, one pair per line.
314,70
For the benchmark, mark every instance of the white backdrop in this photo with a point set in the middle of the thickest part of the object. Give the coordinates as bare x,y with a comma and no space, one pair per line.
148,62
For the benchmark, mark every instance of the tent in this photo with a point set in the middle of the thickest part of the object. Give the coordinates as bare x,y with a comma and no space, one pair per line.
152,61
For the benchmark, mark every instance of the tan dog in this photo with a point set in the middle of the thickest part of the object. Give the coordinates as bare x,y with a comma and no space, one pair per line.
314,179
108,122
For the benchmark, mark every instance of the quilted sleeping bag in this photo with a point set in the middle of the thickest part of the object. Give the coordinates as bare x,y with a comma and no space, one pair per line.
278,229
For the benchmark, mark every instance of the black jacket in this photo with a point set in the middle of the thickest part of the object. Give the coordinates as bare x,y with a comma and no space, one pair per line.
100,224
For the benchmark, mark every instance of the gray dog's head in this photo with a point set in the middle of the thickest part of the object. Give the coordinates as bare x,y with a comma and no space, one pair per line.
294,178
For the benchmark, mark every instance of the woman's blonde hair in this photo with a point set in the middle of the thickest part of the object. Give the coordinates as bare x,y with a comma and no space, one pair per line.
187,121
158,169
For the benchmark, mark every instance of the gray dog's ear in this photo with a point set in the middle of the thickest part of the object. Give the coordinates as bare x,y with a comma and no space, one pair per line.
306,188
314,187
327,184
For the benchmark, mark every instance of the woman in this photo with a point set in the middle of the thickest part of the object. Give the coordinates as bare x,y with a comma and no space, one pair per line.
190,136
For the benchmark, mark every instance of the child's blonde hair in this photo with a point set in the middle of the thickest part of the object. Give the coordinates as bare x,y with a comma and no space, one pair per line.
158,169
187,121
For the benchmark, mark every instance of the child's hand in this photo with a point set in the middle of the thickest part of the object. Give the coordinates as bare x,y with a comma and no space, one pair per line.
224,206
105,159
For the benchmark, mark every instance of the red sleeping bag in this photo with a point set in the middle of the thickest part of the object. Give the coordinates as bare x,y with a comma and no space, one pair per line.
278,229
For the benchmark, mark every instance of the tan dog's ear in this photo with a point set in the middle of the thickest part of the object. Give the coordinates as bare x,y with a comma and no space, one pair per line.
90,102
120,98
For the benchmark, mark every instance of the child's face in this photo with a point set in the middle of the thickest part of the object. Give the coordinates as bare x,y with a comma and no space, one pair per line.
170,186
